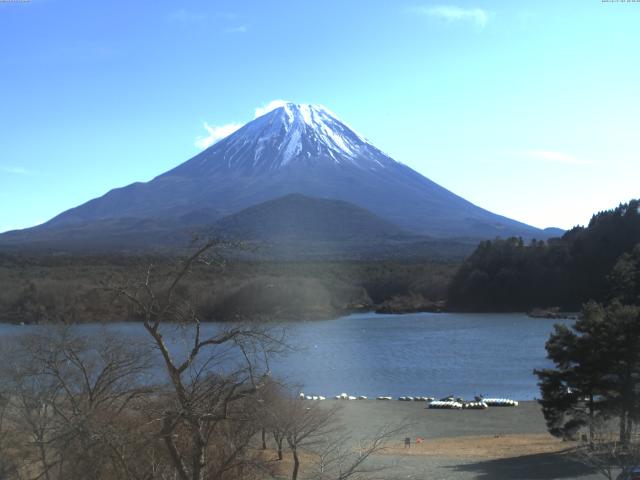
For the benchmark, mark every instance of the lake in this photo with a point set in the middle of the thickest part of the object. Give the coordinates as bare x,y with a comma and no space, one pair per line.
424,354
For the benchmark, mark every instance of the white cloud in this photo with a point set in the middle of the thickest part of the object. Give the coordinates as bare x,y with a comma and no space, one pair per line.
453,13
272,105
15,170
238,29
227,15
554,156
216,133
185,17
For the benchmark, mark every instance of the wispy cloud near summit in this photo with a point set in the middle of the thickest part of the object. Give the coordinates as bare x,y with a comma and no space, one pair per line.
554,157
218,132
453,13
272,105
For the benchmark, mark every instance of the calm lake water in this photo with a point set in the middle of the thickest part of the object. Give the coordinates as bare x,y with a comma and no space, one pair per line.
413,354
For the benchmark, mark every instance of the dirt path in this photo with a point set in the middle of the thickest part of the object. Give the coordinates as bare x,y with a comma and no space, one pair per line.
483,447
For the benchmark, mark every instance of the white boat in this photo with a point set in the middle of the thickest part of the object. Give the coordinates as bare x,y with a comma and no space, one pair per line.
445,404
500,402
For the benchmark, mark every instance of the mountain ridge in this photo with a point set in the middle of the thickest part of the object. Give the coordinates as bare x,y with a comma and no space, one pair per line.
295,149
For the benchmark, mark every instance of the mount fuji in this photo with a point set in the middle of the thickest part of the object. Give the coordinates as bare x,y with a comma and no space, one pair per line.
293,149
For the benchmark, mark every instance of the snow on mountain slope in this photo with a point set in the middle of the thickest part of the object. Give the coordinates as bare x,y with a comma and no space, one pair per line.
295,133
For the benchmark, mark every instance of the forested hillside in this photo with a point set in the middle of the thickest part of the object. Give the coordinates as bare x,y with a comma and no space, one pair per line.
585,263
71,289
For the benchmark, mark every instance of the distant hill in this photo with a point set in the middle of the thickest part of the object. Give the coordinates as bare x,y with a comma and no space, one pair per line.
298,227
296,217
552,232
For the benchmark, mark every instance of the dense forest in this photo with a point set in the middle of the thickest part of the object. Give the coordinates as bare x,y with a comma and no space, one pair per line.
597,262
77,289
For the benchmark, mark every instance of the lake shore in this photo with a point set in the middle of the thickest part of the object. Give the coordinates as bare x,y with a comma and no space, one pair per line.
497,443
363,417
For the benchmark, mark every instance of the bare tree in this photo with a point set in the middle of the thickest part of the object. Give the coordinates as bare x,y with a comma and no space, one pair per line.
71,405
32,421
315,429
306,426
340,458
269,414
274,414
605,453
7,464
219,372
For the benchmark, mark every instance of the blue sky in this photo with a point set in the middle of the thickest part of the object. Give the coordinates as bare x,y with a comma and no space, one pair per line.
528,109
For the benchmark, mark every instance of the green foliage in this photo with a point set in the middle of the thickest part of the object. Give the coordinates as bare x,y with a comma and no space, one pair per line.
597,371
507,275
625,277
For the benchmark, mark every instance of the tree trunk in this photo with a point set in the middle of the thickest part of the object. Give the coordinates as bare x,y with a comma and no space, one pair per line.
264,439
591,415
43,458
296,464
623,427
278,440
198,456
167,434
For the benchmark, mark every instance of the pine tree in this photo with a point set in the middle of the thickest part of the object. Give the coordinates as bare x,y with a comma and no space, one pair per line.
597,371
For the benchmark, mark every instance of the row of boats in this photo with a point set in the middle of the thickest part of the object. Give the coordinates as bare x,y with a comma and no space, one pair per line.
479,403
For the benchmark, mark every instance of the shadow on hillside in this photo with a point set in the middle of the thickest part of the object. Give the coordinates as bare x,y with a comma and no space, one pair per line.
527,467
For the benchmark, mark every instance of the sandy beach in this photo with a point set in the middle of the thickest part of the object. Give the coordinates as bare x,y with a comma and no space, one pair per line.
497,443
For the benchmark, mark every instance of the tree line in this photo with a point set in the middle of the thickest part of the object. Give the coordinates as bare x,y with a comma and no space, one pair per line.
56,289
584,264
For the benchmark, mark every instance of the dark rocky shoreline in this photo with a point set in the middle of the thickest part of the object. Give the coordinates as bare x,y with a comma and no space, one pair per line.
552,313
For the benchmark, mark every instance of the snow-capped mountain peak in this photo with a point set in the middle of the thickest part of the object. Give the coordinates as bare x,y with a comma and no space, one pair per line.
293,149
294,134
330,130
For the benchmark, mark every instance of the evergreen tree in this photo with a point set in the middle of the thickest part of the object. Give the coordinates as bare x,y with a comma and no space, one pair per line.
625,278
597,371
